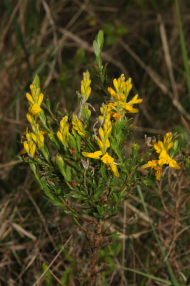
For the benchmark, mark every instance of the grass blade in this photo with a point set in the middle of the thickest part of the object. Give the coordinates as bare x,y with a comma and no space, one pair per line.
18,31
183,47
173,279
144,274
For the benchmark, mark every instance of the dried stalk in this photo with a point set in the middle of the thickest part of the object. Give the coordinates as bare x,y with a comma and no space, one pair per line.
95,255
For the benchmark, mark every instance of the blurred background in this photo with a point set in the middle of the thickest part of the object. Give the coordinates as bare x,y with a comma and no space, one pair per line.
53,38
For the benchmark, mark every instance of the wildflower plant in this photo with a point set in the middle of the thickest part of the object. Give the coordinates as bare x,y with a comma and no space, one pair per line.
90,168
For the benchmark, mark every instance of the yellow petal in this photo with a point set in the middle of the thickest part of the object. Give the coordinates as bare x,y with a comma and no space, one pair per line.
26,147
149,164
114,169
173,164
115,82
122,97
164,155
162,161
95,155
129,108
107,143
82,88
168,137
88,92
44,132
170,145
106,159
29,117
158,146
40,98
128,86
34,137
109,130
113,93
29,97
32,150
135,100
35,109
23,151
101,145
59,135
101,132
158,174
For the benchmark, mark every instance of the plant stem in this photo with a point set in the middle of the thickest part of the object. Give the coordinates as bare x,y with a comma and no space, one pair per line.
96,249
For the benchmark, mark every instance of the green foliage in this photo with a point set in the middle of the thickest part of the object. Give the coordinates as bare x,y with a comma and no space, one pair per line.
90,162
47,276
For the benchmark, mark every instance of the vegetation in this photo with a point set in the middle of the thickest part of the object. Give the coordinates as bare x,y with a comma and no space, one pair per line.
115,222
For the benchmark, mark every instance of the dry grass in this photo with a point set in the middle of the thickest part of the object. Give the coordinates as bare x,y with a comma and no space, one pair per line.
49,37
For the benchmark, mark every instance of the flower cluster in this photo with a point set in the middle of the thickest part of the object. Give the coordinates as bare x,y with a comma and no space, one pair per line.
32,139
164,158
116,109
118,105
63,134
85,85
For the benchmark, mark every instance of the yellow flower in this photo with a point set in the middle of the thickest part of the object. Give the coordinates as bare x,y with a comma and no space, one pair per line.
134,100
151,164
78,126
164,158
40,99
95,155
34,109
29,97
101,145
128,87
85,85
158,174
109,161
158,146
63,134
116,115
114,169
120,106
60,136
115,95
106,159
101,132
29,145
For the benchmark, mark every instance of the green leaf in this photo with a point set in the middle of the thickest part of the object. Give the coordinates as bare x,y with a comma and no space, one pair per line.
111,40
116,148
96,215
100,39
99,193
116,197
68,174
174,149
48,103
46,189
78,141
54,141
42,118
46,153
65,276
100,209
72,142
108,28
96,48
47,276
122,31
116,236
